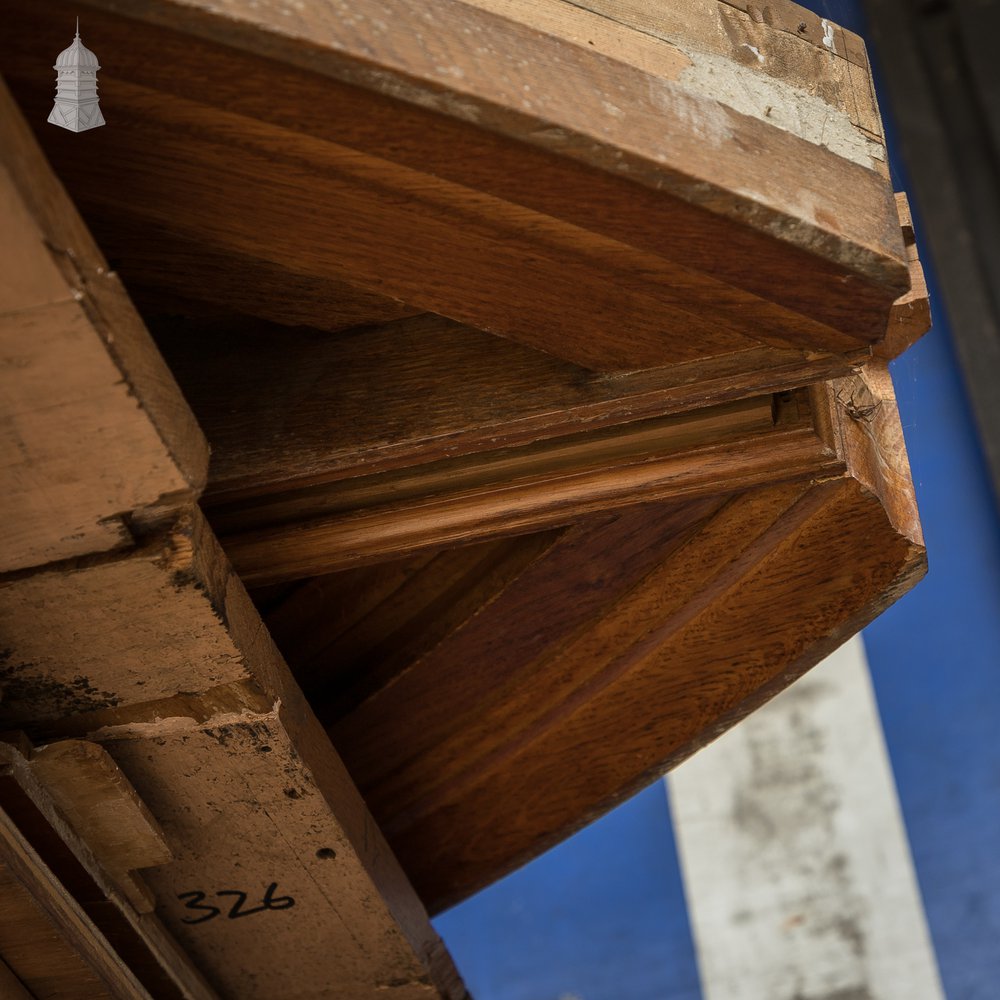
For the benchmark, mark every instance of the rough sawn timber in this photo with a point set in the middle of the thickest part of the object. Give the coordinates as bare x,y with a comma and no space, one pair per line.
112,435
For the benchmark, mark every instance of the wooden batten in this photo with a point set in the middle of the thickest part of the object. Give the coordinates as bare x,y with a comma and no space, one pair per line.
105,812
46,810
495,494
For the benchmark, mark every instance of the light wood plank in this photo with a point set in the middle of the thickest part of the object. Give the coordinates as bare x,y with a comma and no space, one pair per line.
139,940
236,816
94,431
104,811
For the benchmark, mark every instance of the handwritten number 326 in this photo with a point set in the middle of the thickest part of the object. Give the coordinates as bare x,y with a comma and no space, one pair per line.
195,901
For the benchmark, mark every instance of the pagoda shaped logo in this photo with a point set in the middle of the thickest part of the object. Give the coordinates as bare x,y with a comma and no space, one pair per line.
76,106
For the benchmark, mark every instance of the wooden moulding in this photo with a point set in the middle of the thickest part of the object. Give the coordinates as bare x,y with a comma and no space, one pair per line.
510,491
592,658
82,452
569,224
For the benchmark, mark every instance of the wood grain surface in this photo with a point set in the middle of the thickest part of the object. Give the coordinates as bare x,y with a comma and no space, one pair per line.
611,271
156,965
151,649
95,427
502,728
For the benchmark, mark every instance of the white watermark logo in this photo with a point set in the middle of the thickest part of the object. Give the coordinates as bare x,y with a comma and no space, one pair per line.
77,105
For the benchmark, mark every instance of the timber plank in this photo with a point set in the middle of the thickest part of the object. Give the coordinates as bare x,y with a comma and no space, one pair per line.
237,760
93,433
746,47
591,564
104,811
910,317
624,211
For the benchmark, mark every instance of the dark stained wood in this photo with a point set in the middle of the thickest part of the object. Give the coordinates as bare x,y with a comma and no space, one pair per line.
613,273
629,641
35,954
174,275
308,407
568,558
495,494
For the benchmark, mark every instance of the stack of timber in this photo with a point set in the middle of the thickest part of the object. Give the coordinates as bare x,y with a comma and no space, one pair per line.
542,350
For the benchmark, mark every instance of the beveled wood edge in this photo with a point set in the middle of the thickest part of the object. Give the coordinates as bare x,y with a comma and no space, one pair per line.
102,296
580,129
309,546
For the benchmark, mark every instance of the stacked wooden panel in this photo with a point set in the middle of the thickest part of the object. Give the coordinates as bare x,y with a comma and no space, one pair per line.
542,350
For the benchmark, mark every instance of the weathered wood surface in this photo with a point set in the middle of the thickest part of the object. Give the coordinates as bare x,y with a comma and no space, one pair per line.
48,944
154,651
610,256
615,649
105,812
242,780
82,448
136,938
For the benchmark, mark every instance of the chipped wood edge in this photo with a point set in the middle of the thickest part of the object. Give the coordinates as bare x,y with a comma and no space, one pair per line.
102,296
581,130
15,753
910,316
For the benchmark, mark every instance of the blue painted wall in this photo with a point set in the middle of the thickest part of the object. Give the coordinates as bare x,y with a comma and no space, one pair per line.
600,917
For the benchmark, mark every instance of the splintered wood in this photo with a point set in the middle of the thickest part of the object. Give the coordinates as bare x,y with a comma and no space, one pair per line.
542,349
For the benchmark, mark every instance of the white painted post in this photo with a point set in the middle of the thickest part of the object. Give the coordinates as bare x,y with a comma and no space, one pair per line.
796,865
